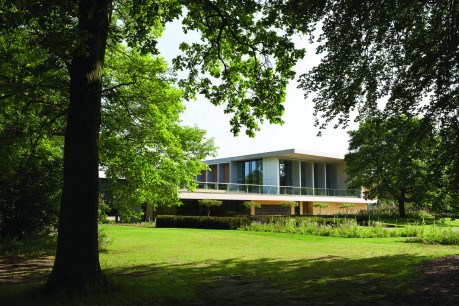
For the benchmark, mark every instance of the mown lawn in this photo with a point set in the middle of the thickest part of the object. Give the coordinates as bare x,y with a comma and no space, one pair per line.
150,266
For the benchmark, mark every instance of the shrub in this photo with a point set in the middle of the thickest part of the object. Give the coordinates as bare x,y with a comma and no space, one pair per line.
30,195
349,228
229,223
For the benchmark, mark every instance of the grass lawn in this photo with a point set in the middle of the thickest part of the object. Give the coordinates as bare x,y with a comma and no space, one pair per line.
157,266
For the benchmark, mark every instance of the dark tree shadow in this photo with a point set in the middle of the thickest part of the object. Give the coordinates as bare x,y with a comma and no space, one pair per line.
331,280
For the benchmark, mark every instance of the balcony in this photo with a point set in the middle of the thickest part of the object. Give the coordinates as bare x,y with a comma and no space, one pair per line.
212,187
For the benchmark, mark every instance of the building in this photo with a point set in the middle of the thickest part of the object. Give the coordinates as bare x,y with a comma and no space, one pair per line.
271,178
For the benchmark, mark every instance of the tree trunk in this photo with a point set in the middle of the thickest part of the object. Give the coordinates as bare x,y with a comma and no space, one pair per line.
401,205
77,258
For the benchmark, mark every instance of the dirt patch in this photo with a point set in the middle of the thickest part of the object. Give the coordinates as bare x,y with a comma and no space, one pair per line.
22,270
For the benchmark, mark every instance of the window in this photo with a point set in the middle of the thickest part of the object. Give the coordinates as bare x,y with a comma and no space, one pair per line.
285,172
251,172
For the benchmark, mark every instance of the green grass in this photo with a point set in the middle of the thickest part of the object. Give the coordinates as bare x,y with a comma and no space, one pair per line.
159,266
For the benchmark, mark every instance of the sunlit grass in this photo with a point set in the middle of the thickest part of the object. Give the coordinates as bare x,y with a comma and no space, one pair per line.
181,266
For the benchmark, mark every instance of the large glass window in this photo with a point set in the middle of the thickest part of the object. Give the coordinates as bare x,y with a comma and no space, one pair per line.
251,172
285,172
331,176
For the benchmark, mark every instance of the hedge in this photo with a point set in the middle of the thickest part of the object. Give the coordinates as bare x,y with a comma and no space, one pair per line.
204,222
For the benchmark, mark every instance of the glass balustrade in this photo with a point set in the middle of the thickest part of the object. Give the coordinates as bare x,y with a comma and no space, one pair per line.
272,189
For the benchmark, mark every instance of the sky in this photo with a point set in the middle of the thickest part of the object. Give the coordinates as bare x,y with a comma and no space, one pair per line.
298,131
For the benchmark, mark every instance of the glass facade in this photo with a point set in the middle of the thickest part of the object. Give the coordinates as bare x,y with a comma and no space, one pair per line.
250,172
285,172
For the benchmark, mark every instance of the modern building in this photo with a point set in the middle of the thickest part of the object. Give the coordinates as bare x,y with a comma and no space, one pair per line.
271,178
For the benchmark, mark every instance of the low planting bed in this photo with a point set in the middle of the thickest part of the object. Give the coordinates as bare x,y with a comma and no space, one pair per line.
320,226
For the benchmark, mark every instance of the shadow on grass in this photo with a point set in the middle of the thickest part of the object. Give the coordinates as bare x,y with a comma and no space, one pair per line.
386,280
32,247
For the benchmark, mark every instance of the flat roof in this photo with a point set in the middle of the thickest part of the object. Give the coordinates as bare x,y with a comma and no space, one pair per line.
287,154
187,195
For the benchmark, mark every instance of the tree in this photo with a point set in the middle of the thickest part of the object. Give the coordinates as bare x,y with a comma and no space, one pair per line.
30,185
290,204
321,205
347,207
389,58
209,204
243,60
31,136
251,205
145,150
389,158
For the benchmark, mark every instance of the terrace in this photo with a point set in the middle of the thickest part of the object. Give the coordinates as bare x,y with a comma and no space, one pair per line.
215,187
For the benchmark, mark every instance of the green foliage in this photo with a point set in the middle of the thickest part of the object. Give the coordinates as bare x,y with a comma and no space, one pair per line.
367,56
321,205
343,268
32,120
103,239
347,207
230,223
30,183
349,228
448,236
290,204
145,150
28,247
250,204
243,59
390,158
209,204
382,59
104,208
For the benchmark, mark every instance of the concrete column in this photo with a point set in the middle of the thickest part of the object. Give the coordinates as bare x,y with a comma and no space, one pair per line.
301,208
252,211
292,210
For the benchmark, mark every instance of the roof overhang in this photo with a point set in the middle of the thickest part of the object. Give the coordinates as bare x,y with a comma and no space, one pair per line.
270,197
282,154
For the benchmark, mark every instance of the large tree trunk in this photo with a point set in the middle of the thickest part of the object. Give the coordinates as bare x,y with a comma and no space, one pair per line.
77,258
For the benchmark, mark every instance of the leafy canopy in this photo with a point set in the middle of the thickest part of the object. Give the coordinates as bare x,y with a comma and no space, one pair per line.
389,58
390,159
145,150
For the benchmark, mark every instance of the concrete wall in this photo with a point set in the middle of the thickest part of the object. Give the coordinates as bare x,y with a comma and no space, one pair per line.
334,209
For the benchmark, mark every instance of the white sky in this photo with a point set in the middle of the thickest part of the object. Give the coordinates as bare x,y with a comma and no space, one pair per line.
298,131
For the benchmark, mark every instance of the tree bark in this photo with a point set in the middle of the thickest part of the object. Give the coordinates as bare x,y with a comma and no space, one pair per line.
77,258
401,205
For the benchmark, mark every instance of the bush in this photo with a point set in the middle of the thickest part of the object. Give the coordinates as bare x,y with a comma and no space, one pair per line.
228,223
30,195
349,228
